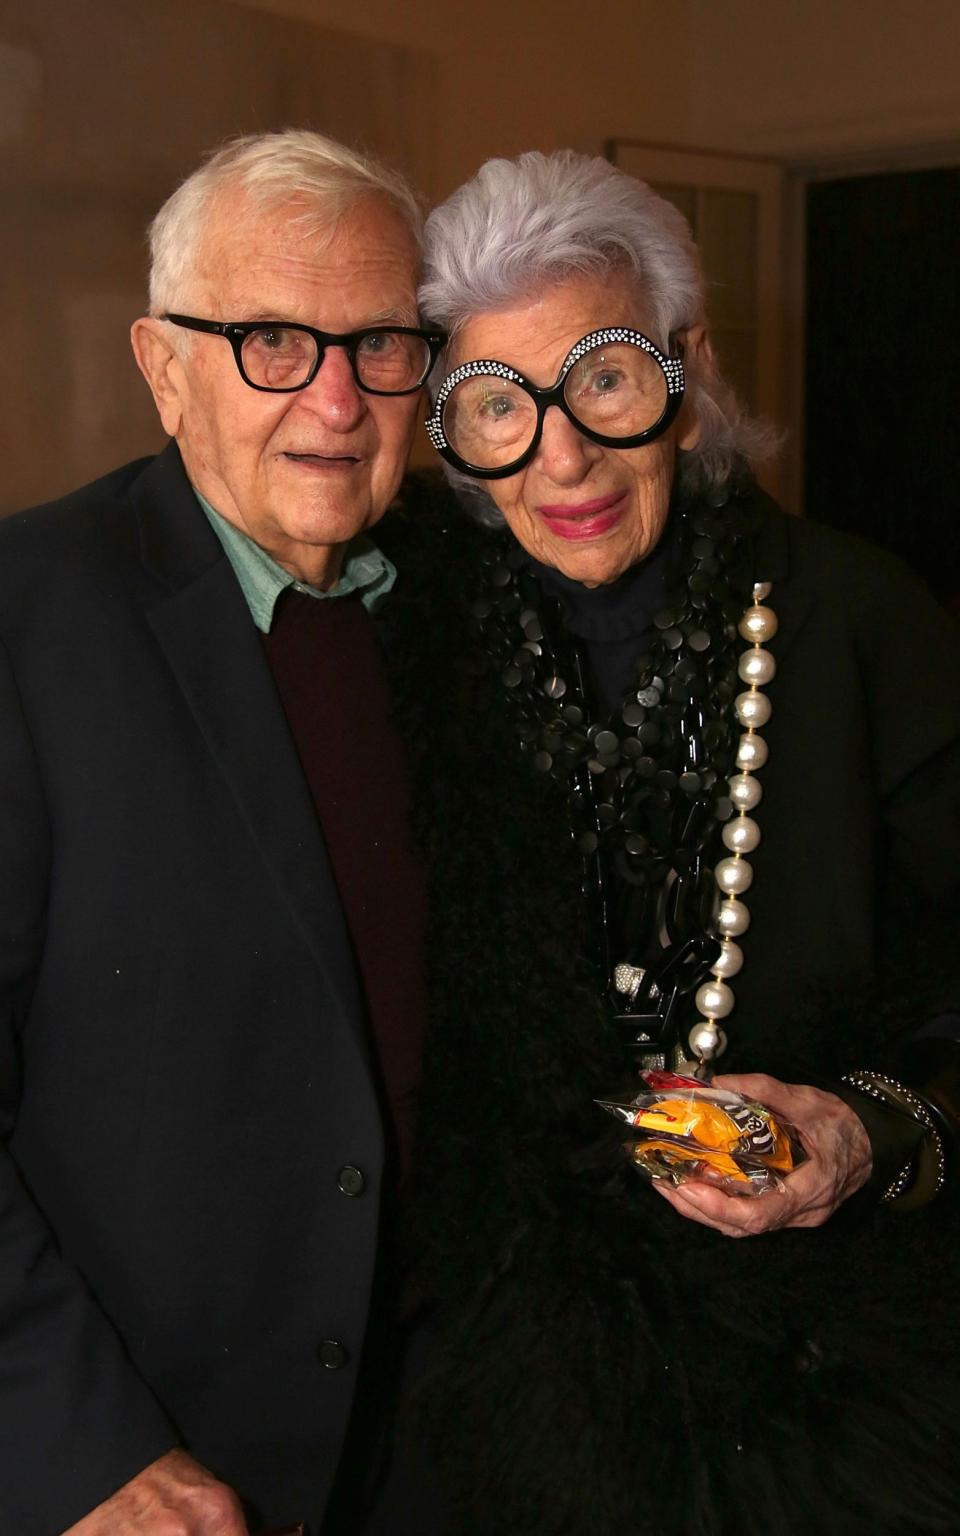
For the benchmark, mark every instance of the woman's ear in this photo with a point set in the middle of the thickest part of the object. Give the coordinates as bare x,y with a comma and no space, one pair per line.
161,367
697,359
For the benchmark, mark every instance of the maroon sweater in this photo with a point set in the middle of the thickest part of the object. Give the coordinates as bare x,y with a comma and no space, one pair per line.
330,678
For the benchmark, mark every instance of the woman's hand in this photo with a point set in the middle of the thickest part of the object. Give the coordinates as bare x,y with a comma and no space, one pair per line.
839,1162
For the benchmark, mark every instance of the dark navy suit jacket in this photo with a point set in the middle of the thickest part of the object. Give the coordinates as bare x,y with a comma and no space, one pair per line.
183,1068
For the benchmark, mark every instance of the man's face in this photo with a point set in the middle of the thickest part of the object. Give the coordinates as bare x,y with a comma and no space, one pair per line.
300,473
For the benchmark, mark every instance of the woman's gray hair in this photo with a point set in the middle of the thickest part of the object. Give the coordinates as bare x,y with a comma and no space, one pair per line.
325,177
520,225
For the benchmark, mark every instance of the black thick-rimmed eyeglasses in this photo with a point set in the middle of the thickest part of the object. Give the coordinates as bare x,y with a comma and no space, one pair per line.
614,385
279,356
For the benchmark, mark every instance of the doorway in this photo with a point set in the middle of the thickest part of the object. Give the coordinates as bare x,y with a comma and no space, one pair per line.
882,390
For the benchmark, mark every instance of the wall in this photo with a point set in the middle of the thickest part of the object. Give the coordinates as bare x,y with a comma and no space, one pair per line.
796,79
809,78
104,107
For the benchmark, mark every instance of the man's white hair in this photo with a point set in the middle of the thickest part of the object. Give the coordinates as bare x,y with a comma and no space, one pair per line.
520,225
271,169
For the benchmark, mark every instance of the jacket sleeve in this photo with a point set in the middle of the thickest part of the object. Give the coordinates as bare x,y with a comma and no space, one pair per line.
78,1421
910,661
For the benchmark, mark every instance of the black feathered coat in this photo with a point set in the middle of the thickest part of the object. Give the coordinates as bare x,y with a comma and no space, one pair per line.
602,1364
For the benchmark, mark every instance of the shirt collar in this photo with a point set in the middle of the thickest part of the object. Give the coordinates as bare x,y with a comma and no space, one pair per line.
365,570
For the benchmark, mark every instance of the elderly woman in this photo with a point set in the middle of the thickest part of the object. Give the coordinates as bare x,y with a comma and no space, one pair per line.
685,772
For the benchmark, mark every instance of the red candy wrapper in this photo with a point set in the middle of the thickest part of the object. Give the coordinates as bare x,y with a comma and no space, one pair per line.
687,1129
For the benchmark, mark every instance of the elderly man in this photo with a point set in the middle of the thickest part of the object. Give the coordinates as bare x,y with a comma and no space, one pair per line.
210,916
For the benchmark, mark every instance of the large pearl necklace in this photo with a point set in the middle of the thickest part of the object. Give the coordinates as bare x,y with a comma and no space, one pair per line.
651,790
741,834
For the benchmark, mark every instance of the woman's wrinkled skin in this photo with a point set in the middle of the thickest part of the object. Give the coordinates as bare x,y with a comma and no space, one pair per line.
544,503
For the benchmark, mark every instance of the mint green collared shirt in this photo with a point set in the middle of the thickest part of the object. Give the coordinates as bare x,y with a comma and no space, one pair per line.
365,570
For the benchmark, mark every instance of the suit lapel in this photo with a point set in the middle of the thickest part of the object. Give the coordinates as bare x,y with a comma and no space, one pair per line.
203,626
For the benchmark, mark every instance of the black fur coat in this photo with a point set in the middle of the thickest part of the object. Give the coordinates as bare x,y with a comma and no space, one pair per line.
601,1364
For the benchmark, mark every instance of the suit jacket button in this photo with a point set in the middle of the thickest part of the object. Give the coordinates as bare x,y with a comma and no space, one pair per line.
350,1181
332,1354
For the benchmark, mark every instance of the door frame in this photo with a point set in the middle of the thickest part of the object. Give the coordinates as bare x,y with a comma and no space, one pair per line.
764,176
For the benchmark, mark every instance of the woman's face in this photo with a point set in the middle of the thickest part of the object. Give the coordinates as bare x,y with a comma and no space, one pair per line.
591,512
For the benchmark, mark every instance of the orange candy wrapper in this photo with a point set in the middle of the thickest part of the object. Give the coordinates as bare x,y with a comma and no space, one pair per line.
687,1129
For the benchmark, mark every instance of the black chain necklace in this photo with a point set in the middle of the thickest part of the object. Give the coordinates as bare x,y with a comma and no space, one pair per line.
646,789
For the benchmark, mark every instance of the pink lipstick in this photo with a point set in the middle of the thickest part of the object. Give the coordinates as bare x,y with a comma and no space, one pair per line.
584,519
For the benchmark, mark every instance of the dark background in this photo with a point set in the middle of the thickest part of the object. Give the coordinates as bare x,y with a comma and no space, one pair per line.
883,365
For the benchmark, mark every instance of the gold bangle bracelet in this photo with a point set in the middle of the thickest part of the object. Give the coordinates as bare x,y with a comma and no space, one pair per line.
922,1178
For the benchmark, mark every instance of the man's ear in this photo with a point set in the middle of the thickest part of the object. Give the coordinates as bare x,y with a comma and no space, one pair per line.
162,369
697,359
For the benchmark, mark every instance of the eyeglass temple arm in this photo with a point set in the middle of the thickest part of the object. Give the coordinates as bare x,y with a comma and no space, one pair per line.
213,327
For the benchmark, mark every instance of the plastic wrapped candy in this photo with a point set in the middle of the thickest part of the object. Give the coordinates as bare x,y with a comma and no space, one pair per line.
687,1129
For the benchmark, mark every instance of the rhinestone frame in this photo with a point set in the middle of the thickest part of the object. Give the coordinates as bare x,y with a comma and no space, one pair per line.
672,368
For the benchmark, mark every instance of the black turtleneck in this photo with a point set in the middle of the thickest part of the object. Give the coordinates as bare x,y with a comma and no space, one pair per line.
611,620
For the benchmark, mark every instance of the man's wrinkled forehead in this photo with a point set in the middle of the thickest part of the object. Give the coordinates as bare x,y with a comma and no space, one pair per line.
250,247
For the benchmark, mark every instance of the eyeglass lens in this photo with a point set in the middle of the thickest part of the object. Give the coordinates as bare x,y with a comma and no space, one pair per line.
280,357
617,390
